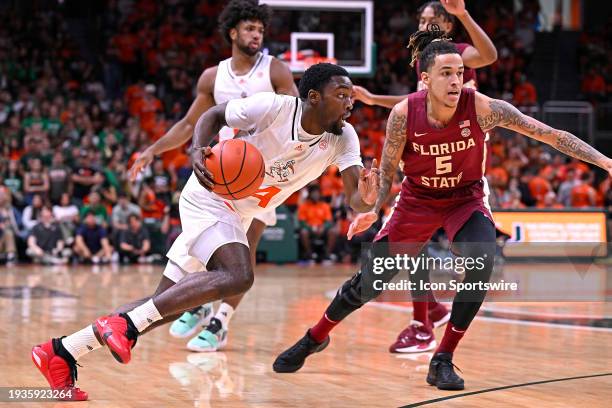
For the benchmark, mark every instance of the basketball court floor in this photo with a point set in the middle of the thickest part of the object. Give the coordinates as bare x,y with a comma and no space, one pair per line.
515,355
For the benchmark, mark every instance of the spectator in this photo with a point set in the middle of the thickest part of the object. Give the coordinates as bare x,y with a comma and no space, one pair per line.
583,194
31,212
331,185
315,218
67,216
161,181
84,177
514,201
45,243
593,86
566,187
171,224
134,242
60,178
120,214
146,108
524,92
8,227
14,181
91,243
550,201
35,181
538,188
152,207
96,207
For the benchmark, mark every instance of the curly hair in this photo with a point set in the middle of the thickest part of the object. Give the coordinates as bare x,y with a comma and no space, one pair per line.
438,10
426,45
240,10
317,76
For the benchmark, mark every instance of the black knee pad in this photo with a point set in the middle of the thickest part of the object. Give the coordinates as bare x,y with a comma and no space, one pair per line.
350,291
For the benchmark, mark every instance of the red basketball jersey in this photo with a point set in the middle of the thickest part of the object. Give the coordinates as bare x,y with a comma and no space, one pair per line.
438,161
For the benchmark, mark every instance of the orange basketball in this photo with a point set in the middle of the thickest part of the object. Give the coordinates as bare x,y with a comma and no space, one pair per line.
237,167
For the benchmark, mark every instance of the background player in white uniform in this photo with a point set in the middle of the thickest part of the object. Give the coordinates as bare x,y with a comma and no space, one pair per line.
210,260
246,73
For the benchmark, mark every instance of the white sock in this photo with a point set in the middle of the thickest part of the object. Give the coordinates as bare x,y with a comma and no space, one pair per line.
144,315
81,342
224,314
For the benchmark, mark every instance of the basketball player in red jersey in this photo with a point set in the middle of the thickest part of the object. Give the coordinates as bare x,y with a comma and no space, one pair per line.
443,14
248,71
426,310
439,133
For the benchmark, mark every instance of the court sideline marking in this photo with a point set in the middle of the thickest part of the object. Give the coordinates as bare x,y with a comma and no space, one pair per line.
505,387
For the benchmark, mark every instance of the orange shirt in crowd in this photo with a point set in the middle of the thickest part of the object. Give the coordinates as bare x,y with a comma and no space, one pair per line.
525,94
314,214
146,109
580,167
132,94
153,207
538,187
500,175
330,183
583,195
127,44
593,84
159,129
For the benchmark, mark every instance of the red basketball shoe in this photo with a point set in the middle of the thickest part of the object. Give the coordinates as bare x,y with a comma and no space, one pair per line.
119,334
416,338
438,315
59,368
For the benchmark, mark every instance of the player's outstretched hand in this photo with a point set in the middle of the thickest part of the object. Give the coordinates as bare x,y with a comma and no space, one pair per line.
199,169
362,94
361,223
143,160
455,7
369,183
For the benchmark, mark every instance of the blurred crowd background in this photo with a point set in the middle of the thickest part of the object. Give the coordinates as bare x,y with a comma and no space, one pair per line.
85,86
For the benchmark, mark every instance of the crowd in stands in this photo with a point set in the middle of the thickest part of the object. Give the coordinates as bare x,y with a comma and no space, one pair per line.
594,63
78,103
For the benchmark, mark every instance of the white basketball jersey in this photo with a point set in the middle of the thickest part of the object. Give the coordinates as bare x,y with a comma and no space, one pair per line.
293,158
230,86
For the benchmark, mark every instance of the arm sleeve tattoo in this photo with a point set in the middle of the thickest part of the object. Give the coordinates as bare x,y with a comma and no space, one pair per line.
501,113
392,153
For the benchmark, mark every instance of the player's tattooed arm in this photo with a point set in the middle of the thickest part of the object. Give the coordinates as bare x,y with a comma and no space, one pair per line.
493,112
393,148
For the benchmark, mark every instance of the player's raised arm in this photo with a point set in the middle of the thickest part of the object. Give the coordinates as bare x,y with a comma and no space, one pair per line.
367,97
182,130
495,112
483,52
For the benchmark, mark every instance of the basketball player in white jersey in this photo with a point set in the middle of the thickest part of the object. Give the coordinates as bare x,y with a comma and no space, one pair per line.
247,72
298,139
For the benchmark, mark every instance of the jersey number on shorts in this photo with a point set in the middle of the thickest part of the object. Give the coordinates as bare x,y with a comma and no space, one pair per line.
265,195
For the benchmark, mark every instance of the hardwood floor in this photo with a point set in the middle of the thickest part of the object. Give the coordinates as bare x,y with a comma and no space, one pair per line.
501,348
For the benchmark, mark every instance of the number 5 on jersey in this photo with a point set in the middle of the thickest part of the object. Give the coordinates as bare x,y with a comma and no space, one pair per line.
444,165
